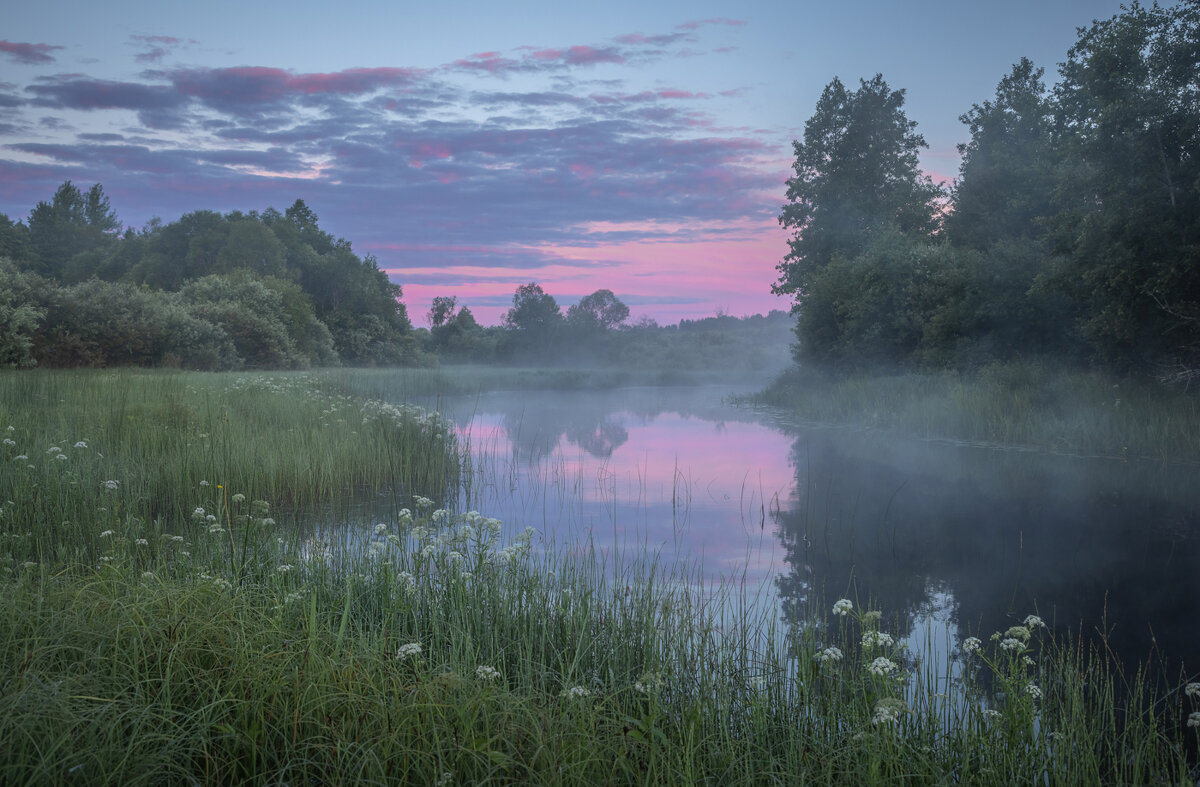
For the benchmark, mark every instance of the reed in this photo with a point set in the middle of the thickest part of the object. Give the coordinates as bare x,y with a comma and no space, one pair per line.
219,645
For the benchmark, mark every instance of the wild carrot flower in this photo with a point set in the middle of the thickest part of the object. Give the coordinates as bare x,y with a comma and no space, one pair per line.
381,529
830,654
198,512
238,498
1033,690
21,458
575,693
486,673
882,666
411,649
843,607
52,450
1012,644
204,483
1019,632
141,542
81,444
873,638
649,683
106,533
9,441
1033,622
1192,689
887,710
971,644
114,485
1194,720
61,456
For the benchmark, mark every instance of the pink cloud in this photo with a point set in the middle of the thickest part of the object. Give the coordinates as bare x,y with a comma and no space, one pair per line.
31,54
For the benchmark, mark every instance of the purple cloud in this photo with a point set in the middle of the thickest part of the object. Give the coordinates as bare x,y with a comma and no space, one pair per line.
30,54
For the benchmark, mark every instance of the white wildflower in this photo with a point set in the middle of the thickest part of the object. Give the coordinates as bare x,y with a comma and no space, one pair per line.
52,450
1019,632
406,580
63,457
141,542
1011,644
1194,720
81,444
381,529
1033,622
876,638
106,533
148,575
887,710
285,568
238,498
843,607
114,485
486,673
210,518
204,483
198,513
971,644
1192,689
21,458
9,441
992,713
1033,690
575,693
830,654
411,649
215,527
882,666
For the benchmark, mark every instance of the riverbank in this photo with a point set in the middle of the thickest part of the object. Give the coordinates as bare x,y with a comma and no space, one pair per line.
208,642
1027,405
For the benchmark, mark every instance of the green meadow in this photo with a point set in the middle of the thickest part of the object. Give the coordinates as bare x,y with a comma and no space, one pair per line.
173,615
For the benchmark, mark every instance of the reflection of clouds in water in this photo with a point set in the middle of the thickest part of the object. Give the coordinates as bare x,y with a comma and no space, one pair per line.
671,470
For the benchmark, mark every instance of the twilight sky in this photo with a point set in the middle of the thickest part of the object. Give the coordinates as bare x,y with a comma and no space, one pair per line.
476,146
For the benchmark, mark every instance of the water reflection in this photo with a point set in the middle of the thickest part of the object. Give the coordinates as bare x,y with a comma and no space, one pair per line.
966,537
1096,547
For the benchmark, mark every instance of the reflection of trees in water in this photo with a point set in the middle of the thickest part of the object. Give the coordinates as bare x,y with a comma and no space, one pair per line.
1005,537
535,421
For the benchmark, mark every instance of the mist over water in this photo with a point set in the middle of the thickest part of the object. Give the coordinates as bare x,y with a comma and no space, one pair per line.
968,539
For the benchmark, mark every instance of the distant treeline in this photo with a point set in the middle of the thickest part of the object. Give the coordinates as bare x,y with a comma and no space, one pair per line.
1073,228
273,290
209,291
596,332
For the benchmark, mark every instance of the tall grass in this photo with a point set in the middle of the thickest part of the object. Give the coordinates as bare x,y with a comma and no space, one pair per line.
141,449
220,647
1017,404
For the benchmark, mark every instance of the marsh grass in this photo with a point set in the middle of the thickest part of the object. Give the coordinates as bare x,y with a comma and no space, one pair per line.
1027,404
218,646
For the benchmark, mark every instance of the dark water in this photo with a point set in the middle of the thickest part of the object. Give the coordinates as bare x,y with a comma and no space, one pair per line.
971,539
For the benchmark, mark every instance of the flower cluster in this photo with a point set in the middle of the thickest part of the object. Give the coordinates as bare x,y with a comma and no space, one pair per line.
843,607
411,649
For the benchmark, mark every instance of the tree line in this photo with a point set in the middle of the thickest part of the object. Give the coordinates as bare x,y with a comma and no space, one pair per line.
208,291
1072,229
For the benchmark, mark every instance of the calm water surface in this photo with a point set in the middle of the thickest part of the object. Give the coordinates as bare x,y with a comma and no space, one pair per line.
966,538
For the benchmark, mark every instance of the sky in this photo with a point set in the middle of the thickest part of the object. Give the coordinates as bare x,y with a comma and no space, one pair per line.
474,147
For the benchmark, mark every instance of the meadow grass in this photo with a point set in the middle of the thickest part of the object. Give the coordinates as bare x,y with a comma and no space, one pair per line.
1028,404
218,646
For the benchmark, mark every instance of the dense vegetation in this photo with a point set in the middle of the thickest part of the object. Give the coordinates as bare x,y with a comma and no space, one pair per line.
1073,229
208,291
167,619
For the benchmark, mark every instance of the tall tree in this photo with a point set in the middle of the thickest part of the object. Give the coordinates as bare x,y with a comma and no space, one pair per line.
533,318
602,310
1129,111
856,178
72,223
1007,176
856,173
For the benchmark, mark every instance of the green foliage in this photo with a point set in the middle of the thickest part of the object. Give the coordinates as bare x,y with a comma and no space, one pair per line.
1129,208
532,320
19,317
856,174
600,311
72,224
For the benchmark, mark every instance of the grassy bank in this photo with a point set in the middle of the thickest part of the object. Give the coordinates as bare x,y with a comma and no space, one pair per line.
214,645
1033,405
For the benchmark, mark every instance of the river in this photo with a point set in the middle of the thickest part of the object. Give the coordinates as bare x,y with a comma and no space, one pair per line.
964,539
